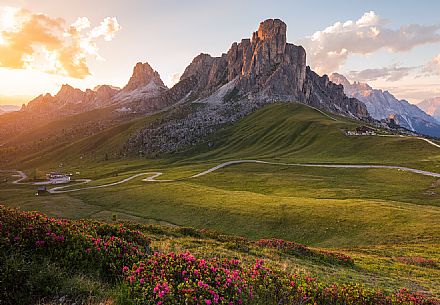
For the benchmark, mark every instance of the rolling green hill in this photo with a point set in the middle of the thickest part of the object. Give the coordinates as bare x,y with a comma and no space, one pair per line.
375,215
286,131
296,133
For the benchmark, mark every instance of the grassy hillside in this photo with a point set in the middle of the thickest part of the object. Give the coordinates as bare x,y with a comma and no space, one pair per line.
110,262
328,207
288,132
388,220
296,133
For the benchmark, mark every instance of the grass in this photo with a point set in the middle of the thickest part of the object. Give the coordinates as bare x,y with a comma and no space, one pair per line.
317,206
375,267
374,215
325,207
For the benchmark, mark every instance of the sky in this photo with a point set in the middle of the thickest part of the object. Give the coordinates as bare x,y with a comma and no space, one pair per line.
393,45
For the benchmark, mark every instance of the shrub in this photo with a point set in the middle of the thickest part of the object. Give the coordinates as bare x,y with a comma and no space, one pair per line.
303,251
417,260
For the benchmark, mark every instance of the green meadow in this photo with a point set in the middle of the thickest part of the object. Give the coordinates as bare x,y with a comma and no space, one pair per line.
374,215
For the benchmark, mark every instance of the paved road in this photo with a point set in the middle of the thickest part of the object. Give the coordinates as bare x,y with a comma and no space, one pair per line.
19,174
153,175
409,137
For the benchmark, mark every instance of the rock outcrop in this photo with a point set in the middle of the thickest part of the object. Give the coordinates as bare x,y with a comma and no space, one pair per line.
71,100
214,91
266,67
144,83
322,93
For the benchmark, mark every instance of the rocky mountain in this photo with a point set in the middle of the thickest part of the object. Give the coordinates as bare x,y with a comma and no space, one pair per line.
431,106
143,84
382,104
266,68
214,91
71,100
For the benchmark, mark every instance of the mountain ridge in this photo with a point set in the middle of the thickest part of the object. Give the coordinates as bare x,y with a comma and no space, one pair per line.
381,104
212,92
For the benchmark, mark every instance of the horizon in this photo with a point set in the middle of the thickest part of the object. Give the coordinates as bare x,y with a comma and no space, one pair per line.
371,43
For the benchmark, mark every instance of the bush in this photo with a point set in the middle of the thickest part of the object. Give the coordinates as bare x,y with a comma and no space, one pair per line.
299,250
38,255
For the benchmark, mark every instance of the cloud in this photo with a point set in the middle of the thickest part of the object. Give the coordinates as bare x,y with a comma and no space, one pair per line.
329,49
391,73
38,41
432,67
174,78
417,92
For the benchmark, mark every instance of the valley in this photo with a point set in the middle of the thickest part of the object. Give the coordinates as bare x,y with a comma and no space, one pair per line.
253,173
360,210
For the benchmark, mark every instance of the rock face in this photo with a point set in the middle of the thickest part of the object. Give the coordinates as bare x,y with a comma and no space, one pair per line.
266,67
71,100
322,93
432,107
382,104
142,76
143,84
214,91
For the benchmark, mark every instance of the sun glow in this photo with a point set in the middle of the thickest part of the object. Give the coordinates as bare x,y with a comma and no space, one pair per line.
9,20
37,41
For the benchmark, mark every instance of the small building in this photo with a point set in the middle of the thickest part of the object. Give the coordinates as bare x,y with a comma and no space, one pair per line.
41,190
361,131
365,130
57,178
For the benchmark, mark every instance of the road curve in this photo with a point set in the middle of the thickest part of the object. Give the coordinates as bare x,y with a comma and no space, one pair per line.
151,176
63,189
21,175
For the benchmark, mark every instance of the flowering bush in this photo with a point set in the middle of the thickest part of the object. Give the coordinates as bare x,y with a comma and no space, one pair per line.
123,252
275,287
303,251
72,243
183,279
417,260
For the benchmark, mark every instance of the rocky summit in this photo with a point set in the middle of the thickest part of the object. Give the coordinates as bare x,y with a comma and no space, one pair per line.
144,83
254,72
266,67
212,92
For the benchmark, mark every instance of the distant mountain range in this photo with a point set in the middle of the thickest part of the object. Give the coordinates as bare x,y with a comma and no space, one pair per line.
431,106
212,91
382,104
144,83
8,108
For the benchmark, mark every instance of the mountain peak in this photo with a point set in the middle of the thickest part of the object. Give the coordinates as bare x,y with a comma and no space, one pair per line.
265,68
65,88
68,94
143,75
272,29
339,79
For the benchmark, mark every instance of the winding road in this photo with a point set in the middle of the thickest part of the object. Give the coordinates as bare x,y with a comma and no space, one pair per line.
151,176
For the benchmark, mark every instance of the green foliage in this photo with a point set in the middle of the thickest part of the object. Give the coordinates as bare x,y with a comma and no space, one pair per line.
109,252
